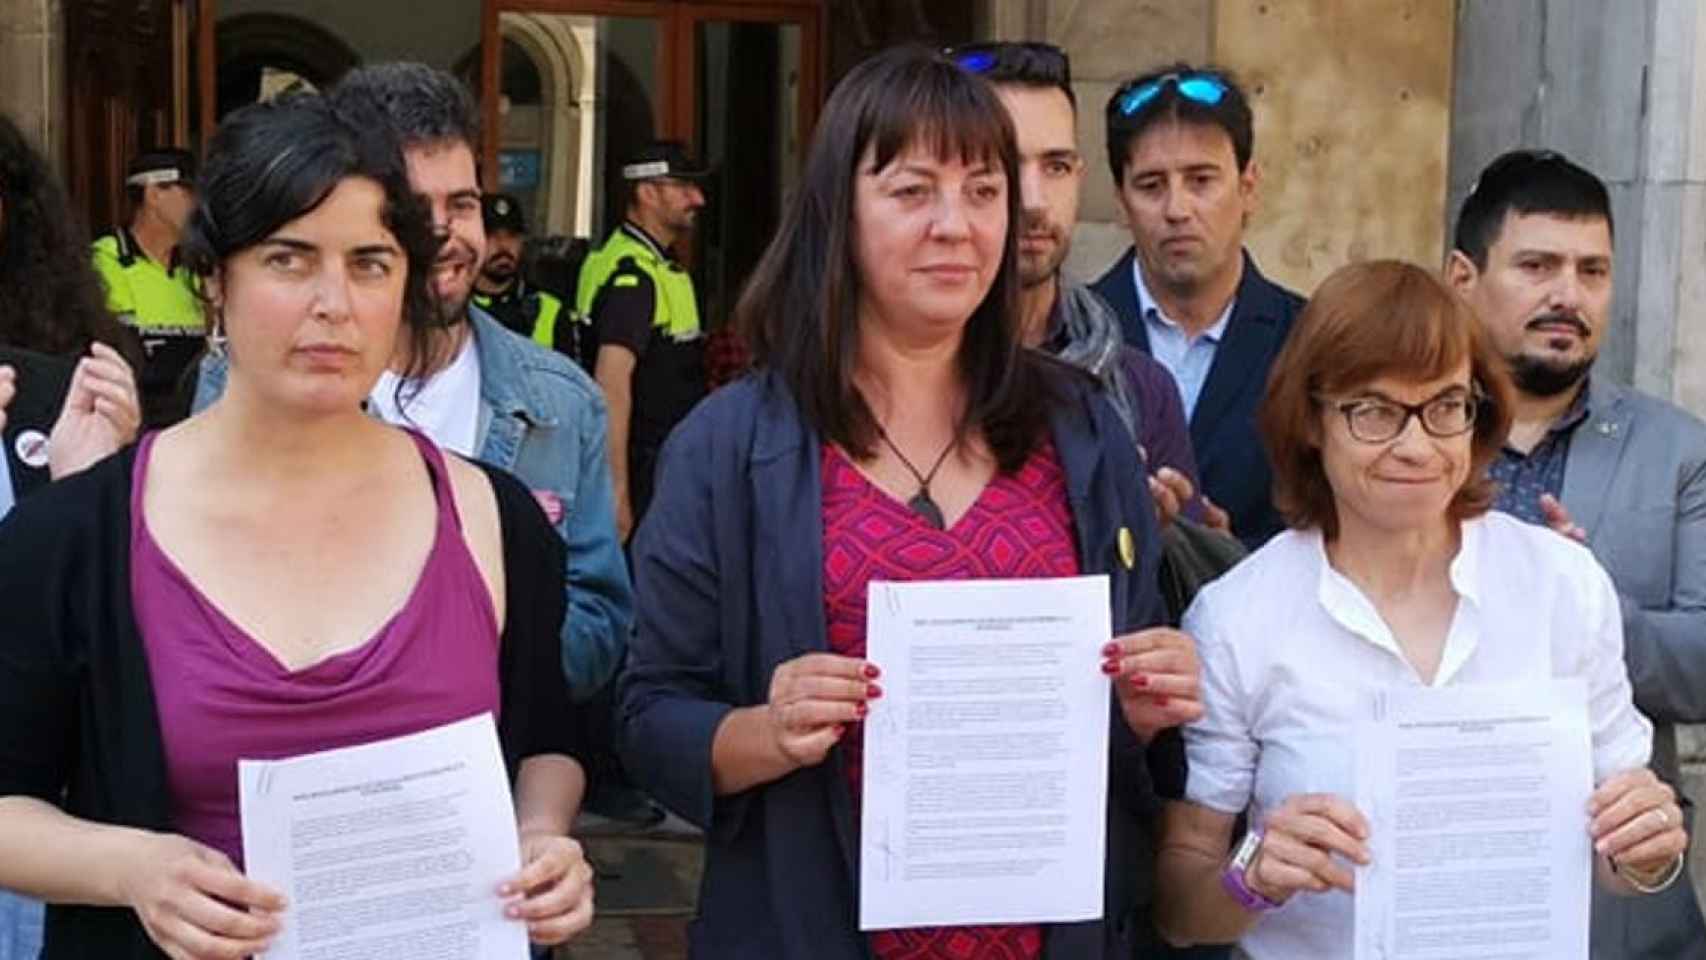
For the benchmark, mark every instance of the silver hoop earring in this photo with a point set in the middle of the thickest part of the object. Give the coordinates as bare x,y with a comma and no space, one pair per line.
216,339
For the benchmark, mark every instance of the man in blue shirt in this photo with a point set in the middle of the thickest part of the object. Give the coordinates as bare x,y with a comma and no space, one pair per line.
1179,146
1622,471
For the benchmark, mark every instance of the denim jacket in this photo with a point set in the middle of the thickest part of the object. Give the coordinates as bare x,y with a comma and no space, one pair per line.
543,419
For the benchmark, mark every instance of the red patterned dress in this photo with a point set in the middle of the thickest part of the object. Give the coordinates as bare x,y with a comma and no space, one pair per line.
1020,526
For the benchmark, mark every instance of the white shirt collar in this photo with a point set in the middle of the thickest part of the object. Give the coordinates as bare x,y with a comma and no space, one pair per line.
1150,309
1345,603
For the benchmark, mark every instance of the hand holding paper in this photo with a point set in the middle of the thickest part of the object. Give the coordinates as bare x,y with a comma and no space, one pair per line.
1157,678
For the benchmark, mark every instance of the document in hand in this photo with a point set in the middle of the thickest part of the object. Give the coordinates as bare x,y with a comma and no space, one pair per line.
986,759
1477,805
390,849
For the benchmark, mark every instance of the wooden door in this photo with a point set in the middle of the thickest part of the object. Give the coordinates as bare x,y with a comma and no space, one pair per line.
124,72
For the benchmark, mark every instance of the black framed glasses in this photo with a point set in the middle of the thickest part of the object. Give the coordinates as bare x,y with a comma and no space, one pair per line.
1197,86
1379,420
1512,162
1027,60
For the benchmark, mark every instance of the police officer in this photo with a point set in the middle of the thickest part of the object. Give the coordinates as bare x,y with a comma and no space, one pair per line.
503,292
649,352
147,289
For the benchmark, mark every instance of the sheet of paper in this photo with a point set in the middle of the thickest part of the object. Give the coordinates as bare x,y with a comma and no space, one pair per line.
390,849
986,758
1477,800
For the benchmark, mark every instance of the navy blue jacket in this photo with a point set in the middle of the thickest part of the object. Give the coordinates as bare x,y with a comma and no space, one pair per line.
729,569
1230,458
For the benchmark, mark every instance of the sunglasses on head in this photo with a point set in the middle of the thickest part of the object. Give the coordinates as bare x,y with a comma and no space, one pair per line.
1197,87
1030,58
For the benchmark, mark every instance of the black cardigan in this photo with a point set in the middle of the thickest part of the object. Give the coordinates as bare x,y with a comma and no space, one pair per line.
78,724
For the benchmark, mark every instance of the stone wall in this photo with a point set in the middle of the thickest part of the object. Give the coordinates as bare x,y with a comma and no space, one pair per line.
32,83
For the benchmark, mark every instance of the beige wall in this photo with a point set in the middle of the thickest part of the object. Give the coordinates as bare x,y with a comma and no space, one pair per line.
32,89
1327,80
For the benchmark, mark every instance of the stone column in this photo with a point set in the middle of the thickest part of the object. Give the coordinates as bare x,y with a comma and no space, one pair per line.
32,56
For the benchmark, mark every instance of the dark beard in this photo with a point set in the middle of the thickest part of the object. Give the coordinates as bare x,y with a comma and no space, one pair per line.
1541,378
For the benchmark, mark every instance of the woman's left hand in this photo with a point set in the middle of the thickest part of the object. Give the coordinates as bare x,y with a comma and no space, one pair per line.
1157,679
553,891
1637,823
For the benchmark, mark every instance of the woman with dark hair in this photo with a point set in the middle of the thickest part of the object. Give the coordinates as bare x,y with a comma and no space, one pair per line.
278,575
1382,412
895,429
58,414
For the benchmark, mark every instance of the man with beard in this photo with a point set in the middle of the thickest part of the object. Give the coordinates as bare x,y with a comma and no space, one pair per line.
503,292
1179,145
1533,254
646,348
482,391
1061,315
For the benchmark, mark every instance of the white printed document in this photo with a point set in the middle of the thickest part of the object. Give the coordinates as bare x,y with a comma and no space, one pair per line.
390,849
1477,805
986,758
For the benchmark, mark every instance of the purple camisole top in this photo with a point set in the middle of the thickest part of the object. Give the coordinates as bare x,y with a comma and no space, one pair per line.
222,696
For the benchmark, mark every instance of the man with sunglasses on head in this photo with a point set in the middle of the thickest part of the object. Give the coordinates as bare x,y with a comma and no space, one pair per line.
1179,146
1061,315
1619,470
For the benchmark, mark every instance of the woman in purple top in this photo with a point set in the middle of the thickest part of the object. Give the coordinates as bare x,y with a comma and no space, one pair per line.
278,575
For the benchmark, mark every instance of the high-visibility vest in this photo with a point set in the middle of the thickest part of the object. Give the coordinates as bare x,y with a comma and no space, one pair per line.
144,294
675,311
545,308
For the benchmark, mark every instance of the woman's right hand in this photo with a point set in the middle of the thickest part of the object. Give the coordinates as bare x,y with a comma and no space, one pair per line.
812,699
1302,842
194,902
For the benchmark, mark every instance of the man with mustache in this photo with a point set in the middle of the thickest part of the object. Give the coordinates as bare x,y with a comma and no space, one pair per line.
1179,145
1061,315
503,292
483,391
1533,254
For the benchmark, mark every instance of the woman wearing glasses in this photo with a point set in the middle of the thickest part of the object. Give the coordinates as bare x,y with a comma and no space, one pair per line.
1382,412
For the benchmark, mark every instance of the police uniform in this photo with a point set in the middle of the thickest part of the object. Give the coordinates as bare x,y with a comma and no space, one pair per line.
535,314
635,295
159,302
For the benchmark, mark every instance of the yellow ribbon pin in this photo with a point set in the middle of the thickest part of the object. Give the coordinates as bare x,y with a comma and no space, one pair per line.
1128,548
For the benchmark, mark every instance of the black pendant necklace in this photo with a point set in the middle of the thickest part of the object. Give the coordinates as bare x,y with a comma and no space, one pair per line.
921,503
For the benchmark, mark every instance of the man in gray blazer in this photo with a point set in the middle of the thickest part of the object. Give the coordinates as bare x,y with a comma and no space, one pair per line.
1620,470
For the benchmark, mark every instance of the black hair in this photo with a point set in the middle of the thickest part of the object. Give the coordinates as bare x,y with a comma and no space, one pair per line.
51,299
1526,182
1231,114
1039,66
423,105
271,163
800,308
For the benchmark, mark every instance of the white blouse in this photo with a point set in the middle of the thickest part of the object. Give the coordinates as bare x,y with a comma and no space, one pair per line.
1291,651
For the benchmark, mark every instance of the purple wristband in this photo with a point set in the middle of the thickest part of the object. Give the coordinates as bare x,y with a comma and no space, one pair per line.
1234,878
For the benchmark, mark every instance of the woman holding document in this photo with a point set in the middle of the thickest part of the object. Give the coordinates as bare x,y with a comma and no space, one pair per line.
895,430
279,575
1382,412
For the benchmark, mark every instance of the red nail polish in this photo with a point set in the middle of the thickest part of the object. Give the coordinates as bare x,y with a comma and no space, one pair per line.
872,672
872,691
860,710
840,729
1110,667
1139,680
1161,701
1111,650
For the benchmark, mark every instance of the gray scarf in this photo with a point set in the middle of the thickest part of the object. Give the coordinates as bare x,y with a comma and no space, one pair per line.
1086,334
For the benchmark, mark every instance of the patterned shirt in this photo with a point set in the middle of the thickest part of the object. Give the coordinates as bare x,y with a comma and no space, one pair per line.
1523,478
1019,527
